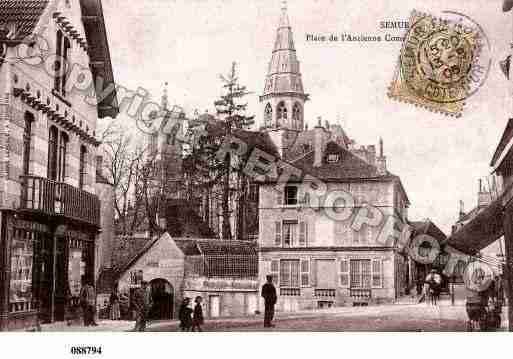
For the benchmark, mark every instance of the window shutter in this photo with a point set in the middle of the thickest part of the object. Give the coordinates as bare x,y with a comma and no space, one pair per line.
275,271
344,273
305,273
377,273
313,273
279,198
310,233
303,234
277,238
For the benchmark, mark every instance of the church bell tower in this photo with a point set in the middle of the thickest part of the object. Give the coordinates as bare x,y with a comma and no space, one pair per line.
283,99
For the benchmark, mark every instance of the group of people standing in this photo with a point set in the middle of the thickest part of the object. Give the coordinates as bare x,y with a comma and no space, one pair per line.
191,319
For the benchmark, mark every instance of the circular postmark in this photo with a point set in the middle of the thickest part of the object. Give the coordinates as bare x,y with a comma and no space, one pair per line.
444,60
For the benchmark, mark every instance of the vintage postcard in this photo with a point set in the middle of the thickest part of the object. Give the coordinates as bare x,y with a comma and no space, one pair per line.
258,166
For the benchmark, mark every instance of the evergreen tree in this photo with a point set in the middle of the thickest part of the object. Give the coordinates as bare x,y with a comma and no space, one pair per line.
232,113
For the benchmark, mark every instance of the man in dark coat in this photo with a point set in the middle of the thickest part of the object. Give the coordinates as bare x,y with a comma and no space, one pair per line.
142,303
269,295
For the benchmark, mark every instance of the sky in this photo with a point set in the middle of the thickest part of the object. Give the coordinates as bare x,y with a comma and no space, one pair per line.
438,158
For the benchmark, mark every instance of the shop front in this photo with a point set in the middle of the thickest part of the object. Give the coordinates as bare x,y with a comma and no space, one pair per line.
44,260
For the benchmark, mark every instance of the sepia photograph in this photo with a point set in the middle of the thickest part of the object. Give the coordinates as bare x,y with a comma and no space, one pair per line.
255,166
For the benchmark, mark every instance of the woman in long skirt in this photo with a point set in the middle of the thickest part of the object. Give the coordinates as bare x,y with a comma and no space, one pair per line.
114,313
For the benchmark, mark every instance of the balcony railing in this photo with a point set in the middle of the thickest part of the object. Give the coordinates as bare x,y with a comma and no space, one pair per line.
57,198
290,292
329,293
360,294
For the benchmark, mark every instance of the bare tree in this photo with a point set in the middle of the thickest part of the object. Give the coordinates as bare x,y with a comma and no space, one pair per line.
129,169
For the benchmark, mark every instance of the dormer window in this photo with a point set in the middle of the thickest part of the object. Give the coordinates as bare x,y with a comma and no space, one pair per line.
333,158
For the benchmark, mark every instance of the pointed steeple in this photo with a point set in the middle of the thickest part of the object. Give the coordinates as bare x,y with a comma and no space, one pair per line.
284,20
283,97
283,74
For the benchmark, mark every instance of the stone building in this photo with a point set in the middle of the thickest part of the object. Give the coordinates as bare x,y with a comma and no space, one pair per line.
317,261
50,213
223,273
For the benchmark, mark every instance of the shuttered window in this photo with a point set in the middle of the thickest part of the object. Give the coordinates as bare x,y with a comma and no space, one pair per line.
303,234
377,273
277,234
275,271
344,273
305,273
279,198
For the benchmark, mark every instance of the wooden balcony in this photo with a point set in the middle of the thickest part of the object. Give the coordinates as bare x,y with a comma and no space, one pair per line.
53,198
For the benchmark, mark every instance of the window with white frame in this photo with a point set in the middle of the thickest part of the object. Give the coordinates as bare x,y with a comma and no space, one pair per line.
333,158
289,234
289,273
360,273
291,195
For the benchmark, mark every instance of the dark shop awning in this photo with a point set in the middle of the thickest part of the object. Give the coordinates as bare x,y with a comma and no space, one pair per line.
481,231
507,5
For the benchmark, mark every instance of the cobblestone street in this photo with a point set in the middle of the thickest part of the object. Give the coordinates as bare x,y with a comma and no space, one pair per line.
398,317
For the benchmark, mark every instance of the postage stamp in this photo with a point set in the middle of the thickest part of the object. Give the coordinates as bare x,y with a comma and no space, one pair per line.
442,63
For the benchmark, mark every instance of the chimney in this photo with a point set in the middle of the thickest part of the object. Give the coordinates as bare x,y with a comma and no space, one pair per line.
371,154
381,162
99,165
462,210
318,144
484,197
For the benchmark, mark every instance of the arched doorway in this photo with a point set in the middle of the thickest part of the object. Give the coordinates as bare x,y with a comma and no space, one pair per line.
162,294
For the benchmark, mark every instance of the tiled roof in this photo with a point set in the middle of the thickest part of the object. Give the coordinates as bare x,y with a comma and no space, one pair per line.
348,167
217,247
208,248
429,228
188,247
25,13
253,139
126,248
213,247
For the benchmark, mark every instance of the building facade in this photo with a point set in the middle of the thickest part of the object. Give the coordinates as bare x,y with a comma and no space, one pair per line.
223,273
49,210
317,261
